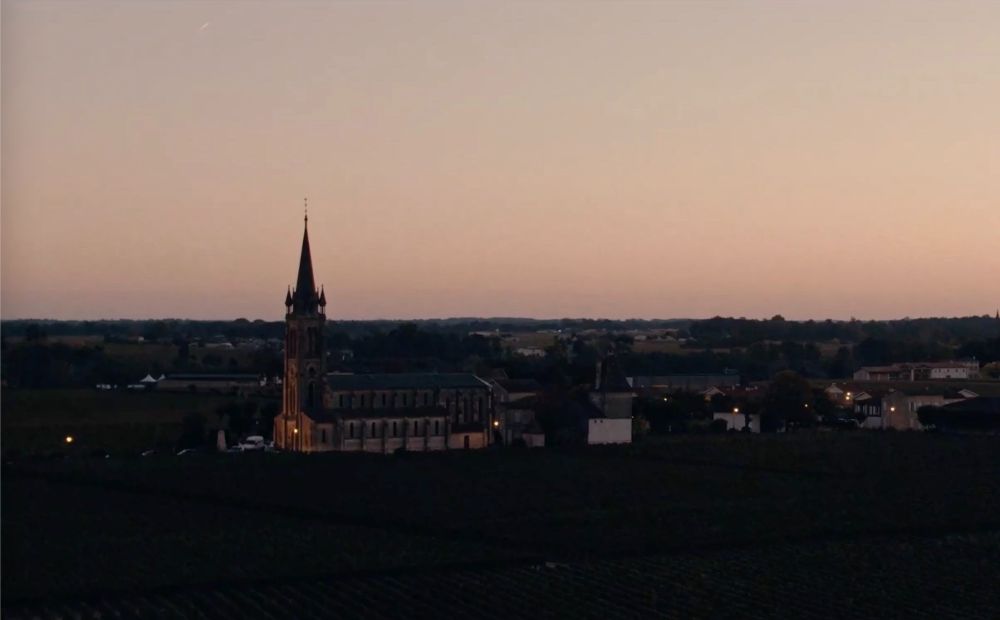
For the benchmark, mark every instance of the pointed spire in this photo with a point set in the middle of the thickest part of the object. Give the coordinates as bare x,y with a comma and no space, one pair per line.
322,297
288,297
305,296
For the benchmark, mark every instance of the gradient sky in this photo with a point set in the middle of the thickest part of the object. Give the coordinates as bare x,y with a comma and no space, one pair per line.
814,159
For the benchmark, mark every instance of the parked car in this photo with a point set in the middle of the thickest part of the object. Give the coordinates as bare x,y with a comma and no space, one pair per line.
251,443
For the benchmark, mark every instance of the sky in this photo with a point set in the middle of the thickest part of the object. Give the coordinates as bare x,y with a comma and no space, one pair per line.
651,160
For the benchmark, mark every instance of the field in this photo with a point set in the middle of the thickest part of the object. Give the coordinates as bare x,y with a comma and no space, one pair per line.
658,346
870,524
38,421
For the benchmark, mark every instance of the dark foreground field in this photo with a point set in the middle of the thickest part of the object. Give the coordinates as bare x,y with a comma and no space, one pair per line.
829,525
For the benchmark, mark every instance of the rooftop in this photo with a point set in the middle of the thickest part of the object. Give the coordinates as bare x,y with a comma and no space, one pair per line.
404,381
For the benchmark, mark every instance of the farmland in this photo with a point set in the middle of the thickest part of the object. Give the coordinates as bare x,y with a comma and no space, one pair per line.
37,421
711,525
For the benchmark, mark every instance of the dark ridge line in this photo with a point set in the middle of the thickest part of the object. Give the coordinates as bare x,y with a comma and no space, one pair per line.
98,595
539,552
431,532
761,469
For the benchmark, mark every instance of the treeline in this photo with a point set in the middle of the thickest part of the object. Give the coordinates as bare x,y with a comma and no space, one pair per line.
719,331
161,329
35,354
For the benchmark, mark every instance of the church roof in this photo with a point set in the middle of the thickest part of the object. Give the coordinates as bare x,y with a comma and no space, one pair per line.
331,415
404,381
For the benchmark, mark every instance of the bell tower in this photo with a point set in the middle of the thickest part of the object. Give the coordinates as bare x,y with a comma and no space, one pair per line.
305,358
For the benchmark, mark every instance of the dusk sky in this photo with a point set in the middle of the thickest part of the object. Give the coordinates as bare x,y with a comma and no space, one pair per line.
662,159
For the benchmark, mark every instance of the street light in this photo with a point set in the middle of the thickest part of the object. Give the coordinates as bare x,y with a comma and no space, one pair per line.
736,409
69,439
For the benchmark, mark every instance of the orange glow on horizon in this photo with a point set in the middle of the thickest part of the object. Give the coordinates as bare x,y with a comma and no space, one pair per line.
546,160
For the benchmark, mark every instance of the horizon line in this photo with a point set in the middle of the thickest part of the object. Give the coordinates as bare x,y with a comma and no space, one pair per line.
504,318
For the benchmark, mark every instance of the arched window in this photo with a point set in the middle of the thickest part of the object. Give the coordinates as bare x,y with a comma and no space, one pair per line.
437,427
311,397
394,434
415,431
374,434
350,430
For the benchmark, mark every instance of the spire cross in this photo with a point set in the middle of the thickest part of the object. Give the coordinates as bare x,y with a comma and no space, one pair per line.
306,205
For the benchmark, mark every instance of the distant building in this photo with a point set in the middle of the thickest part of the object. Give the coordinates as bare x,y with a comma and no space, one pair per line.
687,383
515,401
610,417
834,393
368,412
919,371
222,383
518,421
736,421
898,409
530,352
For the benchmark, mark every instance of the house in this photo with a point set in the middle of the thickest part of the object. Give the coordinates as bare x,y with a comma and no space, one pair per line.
920,371
609,418
517,420
898,408
604,430
529,352
712,391
515,402
736,421
834,393
868,405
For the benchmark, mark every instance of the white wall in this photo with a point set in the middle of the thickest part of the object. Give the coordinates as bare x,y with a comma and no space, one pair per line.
609,430
534,440
949,373
736,421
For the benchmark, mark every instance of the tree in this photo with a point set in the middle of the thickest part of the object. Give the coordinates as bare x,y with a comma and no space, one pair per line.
788,402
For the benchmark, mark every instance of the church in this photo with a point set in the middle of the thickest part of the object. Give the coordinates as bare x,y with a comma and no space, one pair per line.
378,413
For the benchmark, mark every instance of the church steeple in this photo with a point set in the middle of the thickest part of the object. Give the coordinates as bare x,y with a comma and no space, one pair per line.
305,297
303,387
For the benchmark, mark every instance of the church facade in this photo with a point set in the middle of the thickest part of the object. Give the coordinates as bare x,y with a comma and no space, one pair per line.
369,412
